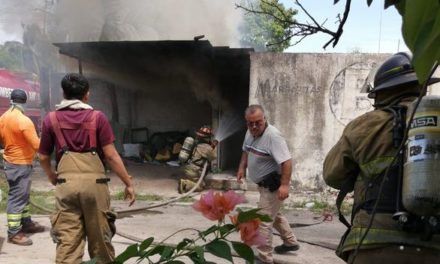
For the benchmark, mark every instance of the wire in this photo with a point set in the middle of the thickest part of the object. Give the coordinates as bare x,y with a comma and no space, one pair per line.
402,144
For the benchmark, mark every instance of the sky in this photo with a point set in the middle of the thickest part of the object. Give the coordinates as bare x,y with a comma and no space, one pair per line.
368,29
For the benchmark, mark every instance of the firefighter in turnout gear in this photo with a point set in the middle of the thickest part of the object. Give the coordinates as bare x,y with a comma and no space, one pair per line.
20,140
203,150
358,163
82,139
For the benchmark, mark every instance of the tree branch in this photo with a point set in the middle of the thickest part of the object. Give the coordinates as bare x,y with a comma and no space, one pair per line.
295,28
338,33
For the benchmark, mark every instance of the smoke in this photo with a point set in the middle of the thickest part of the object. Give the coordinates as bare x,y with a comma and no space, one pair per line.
116,20
229,124
17,13
131,20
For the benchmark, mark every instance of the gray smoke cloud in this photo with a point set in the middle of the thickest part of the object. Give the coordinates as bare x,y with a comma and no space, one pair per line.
17,13
131,20
115,20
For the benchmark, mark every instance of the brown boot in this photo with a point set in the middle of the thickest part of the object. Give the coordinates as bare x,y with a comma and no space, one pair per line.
33,227
20,239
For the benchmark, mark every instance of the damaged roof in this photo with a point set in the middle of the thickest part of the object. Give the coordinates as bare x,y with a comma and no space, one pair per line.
103,51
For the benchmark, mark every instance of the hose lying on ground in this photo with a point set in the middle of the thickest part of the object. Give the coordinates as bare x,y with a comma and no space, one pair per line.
190,192
140,209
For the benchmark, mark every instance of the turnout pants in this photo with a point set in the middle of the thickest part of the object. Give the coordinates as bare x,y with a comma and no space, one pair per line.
396,254
19,181
270,205
83,210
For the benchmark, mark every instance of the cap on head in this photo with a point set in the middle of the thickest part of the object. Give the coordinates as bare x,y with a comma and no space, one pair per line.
395,72
204,132
18,96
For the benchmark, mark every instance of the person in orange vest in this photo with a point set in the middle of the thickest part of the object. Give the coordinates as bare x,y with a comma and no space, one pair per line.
83,139
20,140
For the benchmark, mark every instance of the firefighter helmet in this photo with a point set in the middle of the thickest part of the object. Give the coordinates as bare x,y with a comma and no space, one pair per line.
204,132
395,71
18,96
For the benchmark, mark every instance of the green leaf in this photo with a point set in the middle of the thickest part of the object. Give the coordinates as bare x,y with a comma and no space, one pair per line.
166,253
176,262
183,244
220,249
199,251
156,250
131,251
198,256
243,251
245,216
400,6
209,230
146,243
226,228
421,31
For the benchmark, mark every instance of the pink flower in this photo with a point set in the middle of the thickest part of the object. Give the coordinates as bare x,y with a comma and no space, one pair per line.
249,233
215,205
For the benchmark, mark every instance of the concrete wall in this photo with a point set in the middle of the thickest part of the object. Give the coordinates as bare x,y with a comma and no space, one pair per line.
310,98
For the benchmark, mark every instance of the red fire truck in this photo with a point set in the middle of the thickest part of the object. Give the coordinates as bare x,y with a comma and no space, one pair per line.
29,83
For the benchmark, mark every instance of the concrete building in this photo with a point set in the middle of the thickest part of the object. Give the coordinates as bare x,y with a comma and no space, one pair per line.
148,87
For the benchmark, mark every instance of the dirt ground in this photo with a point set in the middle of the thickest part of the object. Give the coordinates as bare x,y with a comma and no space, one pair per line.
160,222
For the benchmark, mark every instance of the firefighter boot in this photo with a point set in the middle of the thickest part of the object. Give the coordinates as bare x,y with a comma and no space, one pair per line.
32,227
20,239
187,185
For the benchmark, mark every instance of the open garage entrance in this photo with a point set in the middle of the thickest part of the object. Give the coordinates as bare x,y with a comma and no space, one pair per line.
171,88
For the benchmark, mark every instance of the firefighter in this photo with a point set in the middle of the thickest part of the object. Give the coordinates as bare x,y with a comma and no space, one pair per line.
204,150
83,139
358,162
20,140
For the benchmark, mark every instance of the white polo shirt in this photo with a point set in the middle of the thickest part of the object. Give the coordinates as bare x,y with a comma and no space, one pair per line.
265,153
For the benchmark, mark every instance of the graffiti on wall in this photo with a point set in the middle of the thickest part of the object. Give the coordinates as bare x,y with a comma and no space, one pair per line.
281,85
348,97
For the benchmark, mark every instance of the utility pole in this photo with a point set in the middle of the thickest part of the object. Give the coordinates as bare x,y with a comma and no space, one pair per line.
380,30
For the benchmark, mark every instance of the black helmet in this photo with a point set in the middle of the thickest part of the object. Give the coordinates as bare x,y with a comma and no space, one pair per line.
395,71
18,96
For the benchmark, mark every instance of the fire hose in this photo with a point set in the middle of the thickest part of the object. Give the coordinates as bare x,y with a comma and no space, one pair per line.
189,193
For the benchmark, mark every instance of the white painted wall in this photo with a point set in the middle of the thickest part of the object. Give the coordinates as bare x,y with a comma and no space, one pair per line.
310,98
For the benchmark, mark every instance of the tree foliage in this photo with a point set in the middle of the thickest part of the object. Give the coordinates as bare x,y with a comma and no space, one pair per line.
265,32
420,28
421,32
8,60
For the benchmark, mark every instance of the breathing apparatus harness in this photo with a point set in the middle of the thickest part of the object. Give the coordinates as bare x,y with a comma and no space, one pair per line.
409,222
188,150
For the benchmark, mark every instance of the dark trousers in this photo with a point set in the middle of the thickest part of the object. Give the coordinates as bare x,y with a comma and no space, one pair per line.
19,181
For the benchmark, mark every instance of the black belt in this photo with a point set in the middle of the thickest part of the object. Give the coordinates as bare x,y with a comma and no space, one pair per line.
100,180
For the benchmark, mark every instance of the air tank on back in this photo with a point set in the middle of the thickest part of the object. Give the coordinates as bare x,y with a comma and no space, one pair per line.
186,150
421,174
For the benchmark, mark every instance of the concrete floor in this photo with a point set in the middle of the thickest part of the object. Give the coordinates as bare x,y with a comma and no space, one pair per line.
163,221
